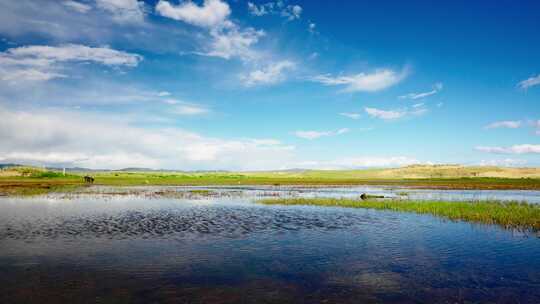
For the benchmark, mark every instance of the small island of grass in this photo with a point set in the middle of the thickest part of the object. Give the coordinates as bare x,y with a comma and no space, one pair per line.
516,215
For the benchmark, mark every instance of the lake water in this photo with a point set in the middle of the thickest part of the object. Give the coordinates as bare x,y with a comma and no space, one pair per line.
132,246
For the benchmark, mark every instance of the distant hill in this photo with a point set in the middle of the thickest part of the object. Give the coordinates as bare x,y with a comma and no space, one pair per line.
2,166
407,172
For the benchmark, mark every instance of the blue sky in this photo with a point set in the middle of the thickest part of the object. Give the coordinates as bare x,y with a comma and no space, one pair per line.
252,85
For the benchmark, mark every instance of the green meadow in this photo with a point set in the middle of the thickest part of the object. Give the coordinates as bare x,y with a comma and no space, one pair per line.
29,180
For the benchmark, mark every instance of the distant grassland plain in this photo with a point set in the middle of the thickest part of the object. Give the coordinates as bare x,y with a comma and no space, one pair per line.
29,180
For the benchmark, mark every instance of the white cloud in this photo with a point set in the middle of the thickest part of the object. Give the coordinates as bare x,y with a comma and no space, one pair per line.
317,134
436,89
536,125
227,39
213,13
389,115
38,54
507,162
123,11
365,82
97,141
515,149
383,114
38,62
261,10
233,42
77,6
312,28
271,74
163,94
190,110
510,124
350,115
530,82
290,12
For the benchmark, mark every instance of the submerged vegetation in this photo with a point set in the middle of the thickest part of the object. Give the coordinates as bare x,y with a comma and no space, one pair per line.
515,215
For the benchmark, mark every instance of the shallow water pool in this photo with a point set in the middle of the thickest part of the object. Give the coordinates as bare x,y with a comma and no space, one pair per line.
135,248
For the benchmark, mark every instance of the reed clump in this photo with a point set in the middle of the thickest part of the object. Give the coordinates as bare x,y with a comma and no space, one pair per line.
517,215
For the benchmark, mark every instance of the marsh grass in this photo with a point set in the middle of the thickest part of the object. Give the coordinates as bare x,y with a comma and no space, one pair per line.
522,216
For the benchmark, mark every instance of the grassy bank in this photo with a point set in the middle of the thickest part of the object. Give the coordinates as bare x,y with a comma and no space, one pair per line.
509,215
24,180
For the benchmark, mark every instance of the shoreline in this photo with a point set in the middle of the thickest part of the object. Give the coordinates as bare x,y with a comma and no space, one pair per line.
35,186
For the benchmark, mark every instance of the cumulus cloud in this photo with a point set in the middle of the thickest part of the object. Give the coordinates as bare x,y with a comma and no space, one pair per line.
510,124
436,89
213,13
271,74
123,11
41,62
529,82
350,115
227,39
515,149
317,134
290,12
75,139
77,6
389,115
378,80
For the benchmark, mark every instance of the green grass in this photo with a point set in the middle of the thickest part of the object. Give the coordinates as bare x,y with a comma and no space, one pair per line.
23,179
516,215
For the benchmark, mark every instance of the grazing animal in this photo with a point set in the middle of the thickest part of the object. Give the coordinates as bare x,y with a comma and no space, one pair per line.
88,179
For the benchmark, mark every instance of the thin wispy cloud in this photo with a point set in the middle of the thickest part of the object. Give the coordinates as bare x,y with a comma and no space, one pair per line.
390,115
529,82
42,62
190,110
515,149
436,89
77,6
508,124
270,74
123,11
536,125
312,28
351,115
318,134
378,80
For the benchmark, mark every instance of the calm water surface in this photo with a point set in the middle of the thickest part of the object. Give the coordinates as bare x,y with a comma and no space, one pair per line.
136,247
